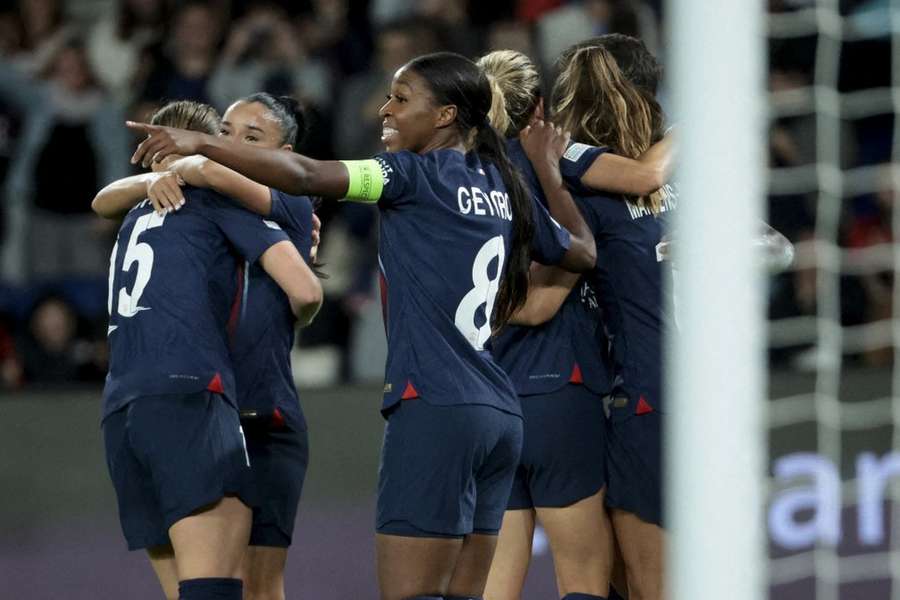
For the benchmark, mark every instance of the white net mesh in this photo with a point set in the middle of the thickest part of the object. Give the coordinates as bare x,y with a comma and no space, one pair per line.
835,415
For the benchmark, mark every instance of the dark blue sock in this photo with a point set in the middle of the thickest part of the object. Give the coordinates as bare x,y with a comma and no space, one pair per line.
582,597
210,588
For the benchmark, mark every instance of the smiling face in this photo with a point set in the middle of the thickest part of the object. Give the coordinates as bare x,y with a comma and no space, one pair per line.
252,123
411,119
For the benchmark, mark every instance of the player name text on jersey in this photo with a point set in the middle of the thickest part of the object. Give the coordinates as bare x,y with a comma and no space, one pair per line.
474,200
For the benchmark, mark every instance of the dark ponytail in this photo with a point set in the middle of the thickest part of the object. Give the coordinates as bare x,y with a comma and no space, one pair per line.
289,113
514,286
456,80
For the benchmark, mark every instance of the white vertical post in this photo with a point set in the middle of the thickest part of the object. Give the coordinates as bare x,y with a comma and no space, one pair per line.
715,440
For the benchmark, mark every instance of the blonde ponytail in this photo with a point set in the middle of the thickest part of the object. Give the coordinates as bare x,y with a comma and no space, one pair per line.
516,87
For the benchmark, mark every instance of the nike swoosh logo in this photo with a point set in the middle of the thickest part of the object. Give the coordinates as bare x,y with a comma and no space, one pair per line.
111,328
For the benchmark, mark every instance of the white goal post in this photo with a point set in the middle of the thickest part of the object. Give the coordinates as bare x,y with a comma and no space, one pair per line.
715,437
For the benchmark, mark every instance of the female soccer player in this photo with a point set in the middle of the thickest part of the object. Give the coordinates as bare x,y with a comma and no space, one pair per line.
174,444
454,249
560,375
261,343
621,114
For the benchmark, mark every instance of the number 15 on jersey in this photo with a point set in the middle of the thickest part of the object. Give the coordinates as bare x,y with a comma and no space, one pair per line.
137,252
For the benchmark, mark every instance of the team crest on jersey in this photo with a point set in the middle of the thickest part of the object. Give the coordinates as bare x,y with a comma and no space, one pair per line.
386,170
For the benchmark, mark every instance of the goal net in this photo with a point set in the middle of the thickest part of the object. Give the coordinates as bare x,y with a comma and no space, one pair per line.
834,387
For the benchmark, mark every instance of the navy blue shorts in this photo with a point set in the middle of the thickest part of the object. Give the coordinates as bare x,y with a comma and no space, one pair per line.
279,455
564,450
171,455
634,462
446,471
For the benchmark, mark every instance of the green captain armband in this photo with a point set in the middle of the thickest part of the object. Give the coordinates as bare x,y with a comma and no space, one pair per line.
366,180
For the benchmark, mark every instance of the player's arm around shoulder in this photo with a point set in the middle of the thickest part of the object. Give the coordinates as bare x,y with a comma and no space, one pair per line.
117,198
636,177
548,288
201,171
287,268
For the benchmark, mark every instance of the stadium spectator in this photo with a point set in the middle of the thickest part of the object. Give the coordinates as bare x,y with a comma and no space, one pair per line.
70,126
117,42
560,28
44,29
183,70
263,52
52,350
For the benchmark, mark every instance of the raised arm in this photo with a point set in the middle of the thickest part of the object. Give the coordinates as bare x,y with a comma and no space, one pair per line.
286,267
283,170
548,288
544,144
117,198
203,172
637,177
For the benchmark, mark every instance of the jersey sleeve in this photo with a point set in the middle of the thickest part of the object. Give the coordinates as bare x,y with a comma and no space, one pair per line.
577,159
249,233
551,240
294,215
399,171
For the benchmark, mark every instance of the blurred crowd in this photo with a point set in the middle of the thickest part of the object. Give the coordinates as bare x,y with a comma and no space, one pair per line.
72,71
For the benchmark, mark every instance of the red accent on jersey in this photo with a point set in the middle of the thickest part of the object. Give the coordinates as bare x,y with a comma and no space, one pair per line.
383,286
215,384
643,407
235,315
277,419
576,375
410,392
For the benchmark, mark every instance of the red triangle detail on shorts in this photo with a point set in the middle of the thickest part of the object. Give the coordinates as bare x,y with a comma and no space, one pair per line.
215,384
576,375
277,419
643,407
410,392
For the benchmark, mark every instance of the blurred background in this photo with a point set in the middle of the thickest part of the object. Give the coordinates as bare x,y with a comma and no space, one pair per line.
72,71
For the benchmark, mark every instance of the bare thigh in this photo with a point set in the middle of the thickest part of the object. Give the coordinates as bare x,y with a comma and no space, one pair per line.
512,557
414,566
581,541
211,542
162,559
642,546
263,573
472,566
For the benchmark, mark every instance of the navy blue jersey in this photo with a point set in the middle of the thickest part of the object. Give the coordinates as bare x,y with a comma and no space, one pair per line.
261,345
446,226
630,285
571,347
173,285
572,166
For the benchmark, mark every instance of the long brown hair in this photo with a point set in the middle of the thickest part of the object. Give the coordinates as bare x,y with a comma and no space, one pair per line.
595,100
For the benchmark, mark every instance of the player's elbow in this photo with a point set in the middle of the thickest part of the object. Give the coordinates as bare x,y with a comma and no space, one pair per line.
654,180
581,256
101,208
306,301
